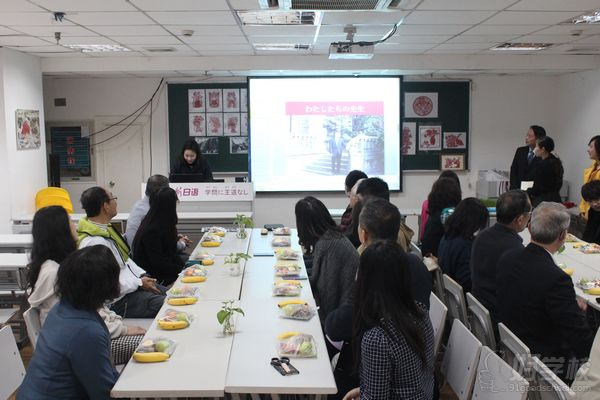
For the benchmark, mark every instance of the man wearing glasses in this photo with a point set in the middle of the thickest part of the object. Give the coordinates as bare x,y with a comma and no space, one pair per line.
140,296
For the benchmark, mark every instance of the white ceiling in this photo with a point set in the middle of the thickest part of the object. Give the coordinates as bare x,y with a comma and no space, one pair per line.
435,37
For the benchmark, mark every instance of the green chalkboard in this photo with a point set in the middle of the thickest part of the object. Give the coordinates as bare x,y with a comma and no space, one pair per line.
453,110
181,112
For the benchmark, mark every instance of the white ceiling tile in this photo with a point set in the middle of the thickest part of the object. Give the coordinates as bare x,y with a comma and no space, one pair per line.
108,54
137,30
19,6
595,39
6,31
464,5
416,39
281,39
225,52
390,48
146,40
568,29
244,4
440,29
545,39
143,48
58,54
110,18
85,40
200,39
360,29
47,49
205,30
452,51
22,41
194,18
215,47
29,19
529,17
447,17
49,30
503,29
181,5
363,17
84,5
280,30
462,46
556,5
492,39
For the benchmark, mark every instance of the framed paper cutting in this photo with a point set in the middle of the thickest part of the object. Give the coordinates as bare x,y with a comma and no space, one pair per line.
454,162
409,139
455,140
430,137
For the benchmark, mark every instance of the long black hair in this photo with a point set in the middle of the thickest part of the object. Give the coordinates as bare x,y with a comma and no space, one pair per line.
445,192
52,240
162,218
313,220
383,295
470,216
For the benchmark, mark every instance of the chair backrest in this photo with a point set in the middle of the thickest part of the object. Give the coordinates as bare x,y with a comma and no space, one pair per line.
496,380
481,322
460,360
514,351
437,315
416,250
548,385
438,279
32,321
13,370
455,300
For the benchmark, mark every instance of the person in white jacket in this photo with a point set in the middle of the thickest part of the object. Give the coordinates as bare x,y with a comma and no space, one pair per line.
140,296
55,237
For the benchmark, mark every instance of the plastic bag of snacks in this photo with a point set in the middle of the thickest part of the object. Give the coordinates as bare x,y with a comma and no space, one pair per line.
172,320
181,296
154,350
296,309
194,274
287,288
281,241
283,231
296,344
210,240
287,254
217,230
202,256
590,248
286,268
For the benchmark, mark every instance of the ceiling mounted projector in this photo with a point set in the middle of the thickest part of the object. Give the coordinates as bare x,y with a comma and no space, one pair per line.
350,51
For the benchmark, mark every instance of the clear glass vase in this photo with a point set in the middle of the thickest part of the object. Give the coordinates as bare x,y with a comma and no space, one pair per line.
241,232
235,269
228,327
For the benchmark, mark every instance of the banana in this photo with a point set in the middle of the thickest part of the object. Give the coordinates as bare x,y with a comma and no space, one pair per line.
288,302
568,271
154,356
289,282
182,301
219,233
208,261
594,291
210,244
171,325
286,335
193,279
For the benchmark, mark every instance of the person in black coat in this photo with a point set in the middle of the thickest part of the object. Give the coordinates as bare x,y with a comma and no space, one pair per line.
155,243
548,174
590,192
536,298
512,214
454,253
525,162
445,193
191,162
379,220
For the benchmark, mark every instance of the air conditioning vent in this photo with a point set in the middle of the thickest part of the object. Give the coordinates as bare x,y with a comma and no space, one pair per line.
331,5
159,49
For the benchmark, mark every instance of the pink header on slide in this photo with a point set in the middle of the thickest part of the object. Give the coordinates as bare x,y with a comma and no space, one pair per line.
334,108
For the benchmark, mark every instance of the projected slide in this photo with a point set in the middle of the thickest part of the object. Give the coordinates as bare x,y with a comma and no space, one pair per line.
306,134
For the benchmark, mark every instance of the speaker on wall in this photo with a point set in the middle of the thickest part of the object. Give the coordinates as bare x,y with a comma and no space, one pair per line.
54,170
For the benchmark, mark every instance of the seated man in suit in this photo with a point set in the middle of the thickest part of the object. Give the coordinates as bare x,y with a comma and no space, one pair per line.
536,299
379,220
525,162
512,215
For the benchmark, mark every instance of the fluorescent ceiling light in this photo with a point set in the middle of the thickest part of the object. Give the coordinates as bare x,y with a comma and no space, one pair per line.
521,46
281,46
280,17
588,18
96,48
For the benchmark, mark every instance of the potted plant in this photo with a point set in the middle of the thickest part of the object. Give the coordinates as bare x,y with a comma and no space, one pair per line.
233,259
224,316
242,222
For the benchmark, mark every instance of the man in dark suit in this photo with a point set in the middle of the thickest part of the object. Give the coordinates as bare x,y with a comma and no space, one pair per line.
536,299
512,214
525,161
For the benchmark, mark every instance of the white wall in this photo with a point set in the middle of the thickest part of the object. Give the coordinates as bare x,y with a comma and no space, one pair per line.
579,119
24,172
502,108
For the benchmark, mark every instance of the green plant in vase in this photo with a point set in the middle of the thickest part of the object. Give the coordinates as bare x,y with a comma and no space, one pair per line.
242,222
233,259
224,316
